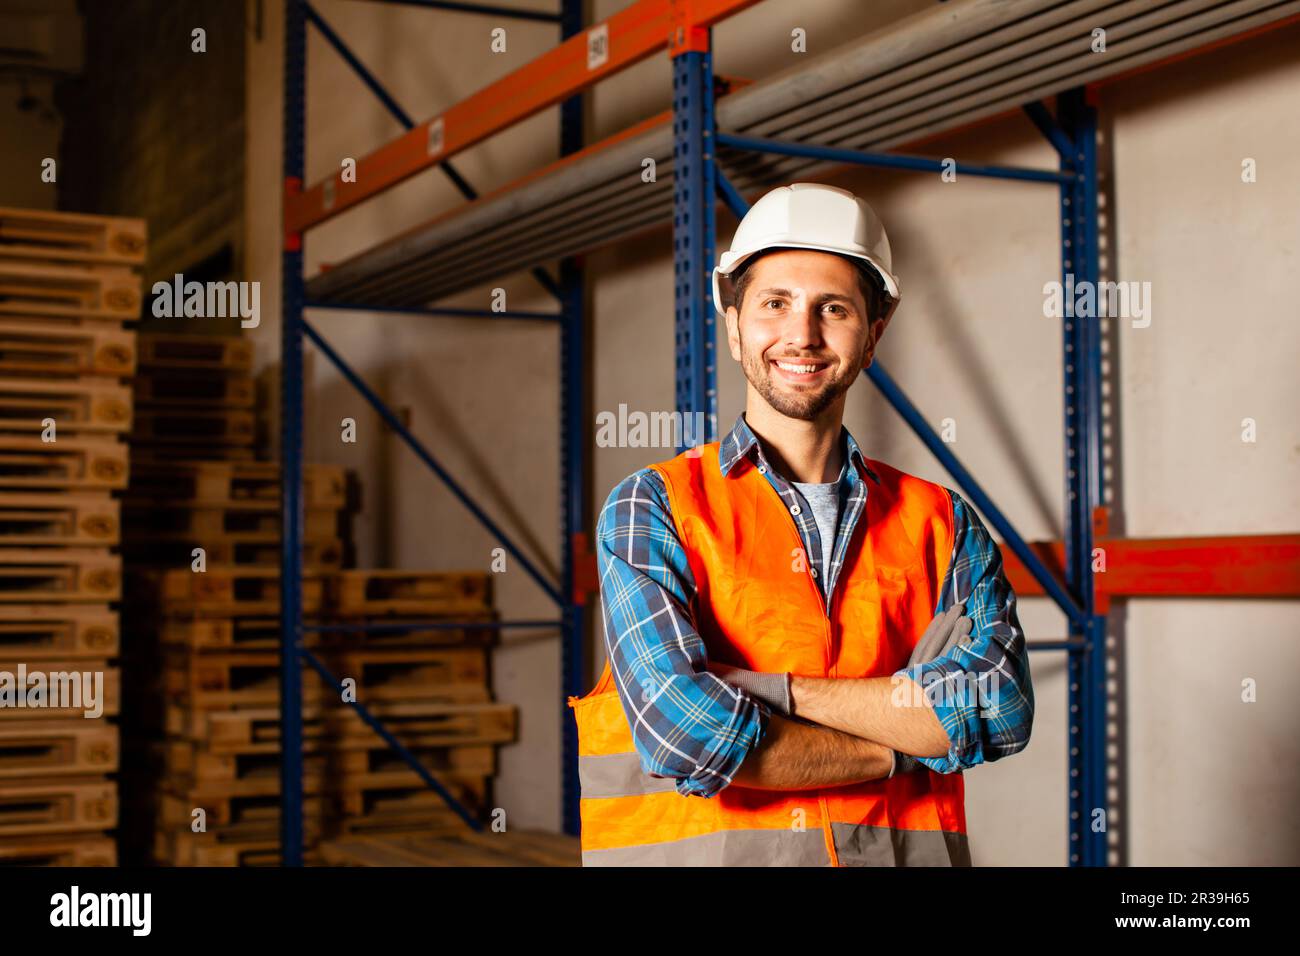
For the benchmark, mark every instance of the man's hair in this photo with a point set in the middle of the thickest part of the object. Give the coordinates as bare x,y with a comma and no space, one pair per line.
868,281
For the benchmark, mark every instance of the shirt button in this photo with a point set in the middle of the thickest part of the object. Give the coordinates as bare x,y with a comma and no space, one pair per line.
795,510
762,469
814,572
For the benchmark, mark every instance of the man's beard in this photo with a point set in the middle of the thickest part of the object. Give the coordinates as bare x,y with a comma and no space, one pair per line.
806,405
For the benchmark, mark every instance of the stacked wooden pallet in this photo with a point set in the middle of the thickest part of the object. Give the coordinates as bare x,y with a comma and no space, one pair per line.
194,398
69,284
220,683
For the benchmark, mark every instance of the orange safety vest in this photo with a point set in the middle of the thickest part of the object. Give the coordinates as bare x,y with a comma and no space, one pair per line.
752,612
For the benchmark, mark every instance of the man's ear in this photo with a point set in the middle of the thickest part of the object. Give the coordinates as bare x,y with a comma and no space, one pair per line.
733,332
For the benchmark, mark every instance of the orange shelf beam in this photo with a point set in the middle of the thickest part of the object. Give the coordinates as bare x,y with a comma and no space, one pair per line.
1257,566
625,38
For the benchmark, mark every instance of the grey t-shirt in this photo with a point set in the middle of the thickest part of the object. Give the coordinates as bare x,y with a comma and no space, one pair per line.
824,499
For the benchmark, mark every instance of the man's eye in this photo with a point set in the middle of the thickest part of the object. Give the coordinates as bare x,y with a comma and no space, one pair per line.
770,301
837,308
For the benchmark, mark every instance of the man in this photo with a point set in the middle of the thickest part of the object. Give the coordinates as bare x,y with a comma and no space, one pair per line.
790,681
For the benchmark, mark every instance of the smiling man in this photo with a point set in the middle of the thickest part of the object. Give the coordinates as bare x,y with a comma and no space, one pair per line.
806,646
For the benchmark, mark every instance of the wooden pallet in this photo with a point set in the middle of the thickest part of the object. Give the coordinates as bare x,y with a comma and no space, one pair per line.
433,593
155,389
38,234
101,292
56,806
370,805
49,748
452,674
224,681
339,728
392,635
60,574
76,519
226,634
111,691
58,850
463,848
58,631
217,353
223,591
263,633
38,347
171,552
191,767
256,845
220,482
194,426
244,521
176,809
75,405
73,461
146,451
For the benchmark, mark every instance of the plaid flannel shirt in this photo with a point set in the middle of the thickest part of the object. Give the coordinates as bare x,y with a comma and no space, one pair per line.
693,727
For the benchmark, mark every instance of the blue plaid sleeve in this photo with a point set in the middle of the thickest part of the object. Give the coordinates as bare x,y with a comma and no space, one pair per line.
687,724
982,692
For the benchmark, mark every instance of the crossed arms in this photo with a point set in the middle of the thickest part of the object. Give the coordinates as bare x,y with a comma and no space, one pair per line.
694,727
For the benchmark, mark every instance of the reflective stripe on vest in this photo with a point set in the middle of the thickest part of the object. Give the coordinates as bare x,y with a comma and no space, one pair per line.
754,609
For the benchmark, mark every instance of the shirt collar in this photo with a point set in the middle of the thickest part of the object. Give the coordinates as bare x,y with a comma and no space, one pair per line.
741,442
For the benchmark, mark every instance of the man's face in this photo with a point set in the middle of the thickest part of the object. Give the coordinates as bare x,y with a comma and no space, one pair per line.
803,334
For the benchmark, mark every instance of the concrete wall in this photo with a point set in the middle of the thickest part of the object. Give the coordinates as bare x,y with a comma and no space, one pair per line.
1211,779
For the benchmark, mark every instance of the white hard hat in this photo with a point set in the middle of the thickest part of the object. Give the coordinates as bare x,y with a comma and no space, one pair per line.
808,216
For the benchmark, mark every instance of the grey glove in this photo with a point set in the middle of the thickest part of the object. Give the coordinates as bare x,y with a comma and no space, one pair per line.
946,631
771,689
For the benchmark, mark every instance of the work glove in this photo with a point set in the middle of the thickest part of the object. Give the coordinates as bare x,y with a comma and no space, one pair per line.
946,631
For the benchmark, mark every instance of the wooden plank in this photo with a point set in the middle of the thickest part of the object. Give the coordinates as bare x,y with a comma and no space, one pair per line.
248,521
41,234
69,290
218,353
194,427
111,690
223,681
171,550
145,451
76,519
176,809
378,592
420,724
58,850
157,390
219,482
60,574
37,347
48,748
224,591
57,631
75,405
226,634
461,848
72,461
256,845
56,806
456,674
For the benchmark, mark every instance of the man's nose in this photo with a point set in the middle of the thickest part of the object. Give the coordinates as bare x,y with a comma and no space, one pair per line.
803,327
